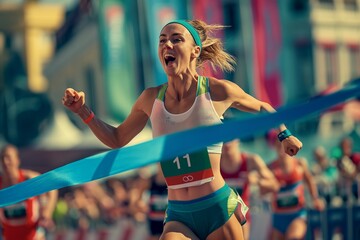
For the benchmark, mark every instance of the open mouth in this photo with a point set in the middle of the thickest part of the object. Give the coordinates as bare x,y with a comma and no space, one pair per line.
169,59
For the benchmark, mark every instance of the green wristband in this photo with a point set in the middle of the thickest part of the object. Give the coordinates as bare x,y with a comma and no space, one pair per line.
284,134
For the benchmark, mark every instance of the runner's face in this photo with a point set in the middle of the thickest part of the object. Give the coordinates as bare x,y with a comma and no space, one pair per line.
9,158
176,49
346,147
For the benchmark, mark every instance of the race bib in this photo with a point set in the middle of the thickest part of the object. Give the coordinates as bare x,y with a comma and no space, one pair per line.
192,169
15,211
287,199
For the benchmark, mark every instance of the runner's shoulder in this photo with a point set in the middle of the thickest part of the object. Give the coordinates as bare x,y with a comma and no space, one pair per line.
151,92
28,174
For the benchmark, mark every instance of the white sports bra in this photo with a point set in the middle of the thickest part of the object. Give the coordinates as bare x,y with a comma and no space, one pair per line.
192,169
201,113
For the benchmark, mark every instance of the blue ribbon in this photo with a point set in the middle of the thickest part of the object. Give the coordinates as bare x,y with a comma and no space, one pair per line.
166,147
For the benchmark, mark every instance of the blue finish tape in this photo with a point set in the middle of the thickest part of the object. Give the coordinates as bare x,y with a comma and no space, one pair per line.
166,147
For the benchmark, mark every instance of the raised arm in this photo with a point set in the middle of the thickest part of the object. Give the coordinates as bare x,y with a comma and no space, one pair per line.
233,96
311,184
48,202
111,136
266,180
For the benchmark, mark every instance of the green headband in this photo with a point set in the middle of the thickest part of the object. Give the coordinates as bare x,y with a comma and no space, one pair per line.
191,29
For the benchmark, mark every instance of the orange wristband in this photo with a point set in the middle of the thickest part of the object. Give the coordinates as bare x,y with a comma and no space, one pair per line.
89,118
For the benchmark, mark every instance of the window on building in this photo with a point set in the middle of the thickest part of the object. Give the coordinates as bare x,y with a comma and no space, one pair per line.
304,69
231,14
351,4
331,64
354,54
232,34
299,6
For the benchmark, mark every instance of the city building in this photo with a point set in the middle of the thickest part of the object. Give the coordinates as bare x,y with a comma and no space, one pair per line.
287,51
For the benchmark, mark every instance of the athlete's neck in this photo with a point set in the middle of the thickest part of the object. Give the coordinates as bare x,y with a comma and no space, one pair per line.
285,160
10,177
181,87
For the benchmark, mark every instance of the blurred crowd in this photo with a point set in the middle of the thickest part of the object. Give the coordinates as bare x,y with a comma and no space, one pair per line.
101,204
336,173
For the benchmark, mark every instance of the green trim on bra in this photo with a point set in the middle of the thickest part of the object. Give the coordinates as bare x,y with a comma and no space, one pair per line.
162,91
203,85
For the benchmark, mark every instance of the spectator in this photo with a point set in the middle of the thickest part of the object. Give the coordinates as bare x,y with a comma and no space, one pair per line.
240,170
349,166
119,193
157,202
29,219
325,174
288,204
138,208
104,202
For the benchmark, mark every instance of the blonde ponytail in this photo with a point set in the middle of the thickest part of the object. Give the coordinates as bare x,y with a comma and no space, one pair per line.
212,48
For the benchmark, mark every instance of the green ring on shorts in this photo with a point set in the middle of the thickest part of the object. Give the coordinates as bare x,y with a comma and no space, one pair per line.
191,29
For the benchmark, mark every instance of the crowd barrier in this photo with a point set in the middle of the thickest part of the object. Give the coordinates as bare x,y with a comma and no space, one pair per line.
124,229
332,223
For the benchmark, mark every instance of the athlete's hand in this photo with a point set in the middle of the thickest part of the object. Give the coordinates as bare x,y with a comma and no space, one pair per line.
318,204
253,177
292,145
73,100
46,221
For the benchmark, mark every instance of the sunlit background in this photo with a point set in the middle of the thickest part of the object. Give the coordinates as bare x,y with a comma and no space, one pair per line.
287,51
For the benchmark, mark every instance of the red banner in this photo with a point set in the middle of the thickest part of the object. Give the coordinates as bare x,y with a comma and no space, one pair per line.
267,47
210,12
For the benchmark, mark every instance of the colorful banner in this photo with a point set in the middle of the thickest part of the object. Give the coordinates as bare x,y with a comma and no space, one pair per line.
245,75
159,13
212,13
267,47
167,147
118,53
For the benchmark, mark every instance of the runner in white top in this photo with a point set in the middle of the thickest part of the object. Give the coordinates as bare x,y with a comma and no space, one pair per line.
206,208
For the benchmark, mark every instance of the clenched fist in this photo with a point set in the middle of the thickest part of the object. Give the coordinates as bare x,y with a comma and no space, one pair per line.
292,145
73,100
